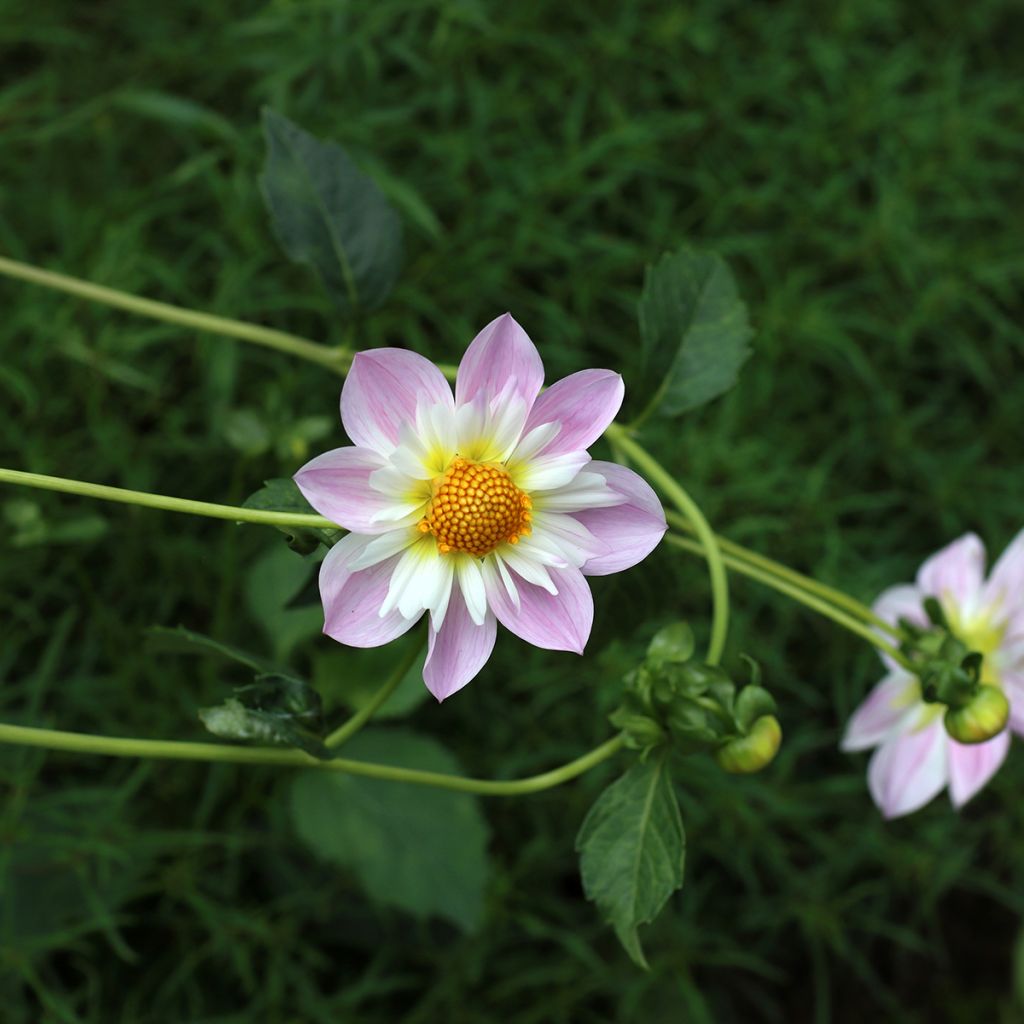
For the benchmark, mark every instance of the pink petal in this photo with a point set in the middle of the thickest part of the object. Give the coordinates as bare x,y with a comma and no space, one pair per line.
901,602
1005,587
337,485
457,651
382,391
955,573
352,600
556,622
500,354
909,769
632,530
972,765
881,712
583,403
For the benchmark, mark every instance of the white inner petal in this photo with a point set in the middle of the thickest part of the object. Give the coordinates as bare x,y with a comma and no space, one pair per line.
532,443
586,490
471,583
573,539
550,472
384,546
529,566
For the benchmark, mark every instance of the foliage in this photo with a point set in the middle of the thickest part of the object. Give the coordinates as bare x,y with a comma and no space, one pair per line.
858,169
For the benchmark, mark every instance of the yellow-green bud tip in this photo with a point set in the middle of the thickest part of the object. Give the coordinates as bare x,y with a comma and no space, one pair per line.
752,752
984,717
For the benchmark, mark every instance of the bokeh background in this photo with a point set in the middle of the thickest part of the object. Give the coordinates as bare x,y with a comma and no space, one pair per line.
860,166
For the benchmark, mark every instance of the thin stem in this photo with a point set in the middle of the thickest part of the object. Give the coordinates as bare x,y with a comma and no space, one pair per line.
800,595
110,746
199,508
336,358
348,729
808,583
709,543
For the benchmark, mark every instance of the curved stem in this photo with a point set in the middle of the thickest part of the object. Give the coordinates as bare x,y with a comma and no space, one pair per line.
83,743
336,358
348,729
199,508
808,583
801,596
716,567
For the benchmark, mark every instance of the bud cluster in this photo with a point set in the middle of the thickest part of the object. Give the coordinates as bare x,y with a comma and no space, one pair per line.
950,674
672,700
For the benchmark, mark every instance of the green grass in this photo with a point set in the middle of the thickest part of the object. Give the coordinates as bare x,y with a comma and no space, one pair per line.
860,168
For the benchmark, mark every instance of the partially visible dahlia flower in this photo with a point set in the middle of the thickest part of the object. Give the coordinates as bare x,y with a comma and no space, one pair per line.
477,508
916,758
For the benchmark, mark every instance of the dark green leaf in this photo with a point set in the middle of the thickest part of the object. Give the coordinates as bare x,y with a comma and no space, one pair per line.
281,494
353,676
631,848
161,638
421,850
271,582
275,709
694,331
329,214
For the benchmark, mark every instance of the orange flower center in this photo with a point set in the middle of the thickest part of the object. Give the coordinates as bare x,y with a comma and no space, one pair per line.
476,507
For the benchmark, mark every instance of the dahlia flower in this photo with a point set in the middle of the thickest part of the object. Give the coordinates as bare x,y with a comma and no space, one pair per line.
916,758
477,508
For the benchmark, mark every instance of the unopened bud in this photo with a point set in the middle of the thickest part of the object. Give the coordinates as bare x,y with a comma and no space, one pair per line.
641,731
983,717
751,753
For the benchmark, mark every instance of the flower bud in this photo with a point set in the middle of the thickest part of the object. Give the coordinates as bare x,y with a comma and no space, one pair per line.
983,717
752,752
642,732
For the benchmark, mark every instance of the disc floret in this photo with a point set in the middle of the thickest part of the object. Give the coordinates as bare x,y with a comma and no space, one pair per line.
476,507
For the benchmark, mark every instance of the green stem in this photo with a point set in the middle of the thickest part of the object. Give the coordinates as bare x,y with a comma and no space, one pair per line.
812,586
160,501
83,743
709,543
347,730
801,596
336,358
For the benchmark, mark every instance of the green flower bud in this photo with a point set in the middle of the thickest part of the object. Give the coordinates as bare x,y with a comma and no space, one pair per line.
752,752
641,732
983,717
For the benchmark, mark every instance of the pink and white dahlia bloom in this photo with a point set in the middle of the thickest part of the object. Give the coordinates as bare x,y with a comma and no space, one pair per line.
478,507
916,758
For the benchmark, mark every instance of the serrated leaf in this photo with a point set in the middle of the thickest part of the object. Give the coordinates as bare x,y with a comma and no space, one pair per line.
330,215
632,849
418,849
694,331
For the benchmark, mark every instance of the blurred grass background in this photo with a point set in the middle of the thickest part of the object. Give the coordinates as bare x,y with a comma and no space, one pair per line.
860,167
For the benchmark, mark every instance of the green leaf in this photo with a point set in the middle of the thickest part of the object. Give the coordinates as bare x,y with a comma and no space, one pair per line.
274,709
330,215
418,849
282,494
694,331
271,583
353,676
632,848
162,638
